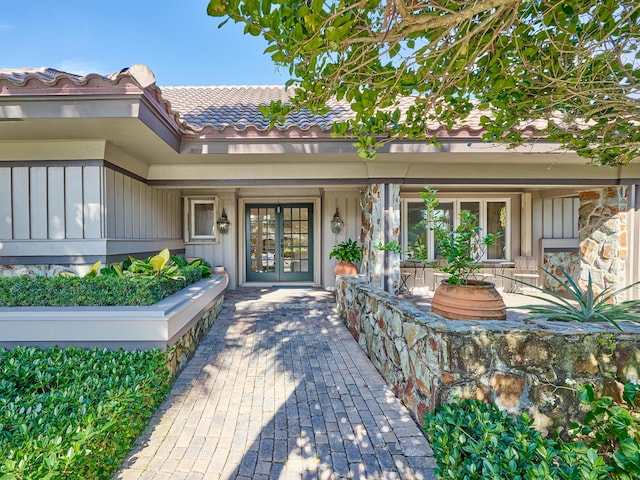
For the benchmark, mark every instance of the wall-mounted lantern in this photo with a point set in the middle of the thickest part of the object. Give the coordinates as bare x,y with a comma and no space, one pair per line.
336,222
223,223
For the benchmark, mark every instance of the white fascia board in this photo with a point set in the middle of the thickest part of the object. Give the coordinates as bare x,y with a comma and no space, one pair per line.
283,146
72,106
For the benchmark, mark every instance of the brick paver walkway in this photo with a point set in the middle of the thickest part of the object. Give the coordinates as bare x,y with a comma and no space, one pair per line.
279,389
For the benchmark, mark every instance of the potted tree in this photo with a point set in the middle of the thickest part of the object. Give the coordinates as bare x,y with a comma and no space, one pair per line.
461,295
348,253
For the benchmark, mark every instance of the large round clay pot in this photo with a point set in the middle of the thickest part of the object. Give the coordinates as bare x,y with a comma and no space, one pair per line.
477,300
345,268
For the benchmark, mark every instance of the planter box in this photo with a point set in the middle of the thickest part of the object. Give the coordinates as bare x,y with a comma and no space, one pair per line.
161,325
522,366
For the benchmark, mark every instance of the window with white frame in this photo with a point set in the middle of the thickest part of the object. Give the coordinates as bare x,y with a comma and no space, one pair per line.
493,217
201,214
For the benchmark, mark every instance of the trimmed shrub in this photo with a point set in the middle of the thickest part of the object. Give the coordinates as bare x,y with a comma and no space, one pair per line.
473,440
613,429
73,413
101,290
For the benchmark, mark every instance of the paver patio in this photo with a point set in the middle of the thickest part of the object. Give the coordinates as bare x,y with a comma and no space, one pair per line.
279,389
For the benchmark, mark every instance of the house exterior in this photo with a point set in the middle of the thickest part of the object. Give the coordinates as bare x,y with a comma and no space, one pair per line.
101,167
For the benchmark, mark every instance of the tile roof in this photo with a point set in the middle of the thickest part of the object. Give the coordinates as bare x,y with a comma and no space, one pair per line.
50,76
215,109
238,107
45,74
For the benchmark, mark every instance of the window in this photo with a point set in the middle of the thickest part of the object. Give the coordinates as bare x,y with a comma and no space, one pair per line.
493,217
201,219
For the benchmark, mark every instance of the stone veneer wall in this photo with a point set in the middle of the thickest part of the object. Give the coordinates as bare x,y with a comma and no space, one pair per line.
371,207
521,366
182,351
602,225
375,221
556,262
41,270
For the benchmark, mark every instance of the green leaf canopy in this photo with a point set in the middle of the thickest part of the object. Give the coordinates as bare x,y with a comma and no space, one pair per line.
566,71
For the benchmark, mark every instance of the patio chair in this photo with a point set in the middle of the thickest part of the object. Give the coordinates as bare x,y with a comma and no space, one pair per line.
417,269
487,273
439,276
526,270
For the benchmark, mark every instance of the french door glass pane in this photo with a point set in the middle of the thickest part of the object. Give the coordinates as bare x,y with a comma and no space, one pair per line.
262,226
474,208
296,239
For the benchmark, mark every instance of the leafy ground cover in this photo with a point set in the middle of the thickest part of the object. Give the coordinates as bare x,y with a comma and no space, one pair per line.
63,291
74,413
473,440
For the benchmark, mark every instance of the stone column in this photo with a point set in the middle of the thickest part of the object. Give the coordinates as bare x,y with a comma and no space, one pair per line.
602,226
380,224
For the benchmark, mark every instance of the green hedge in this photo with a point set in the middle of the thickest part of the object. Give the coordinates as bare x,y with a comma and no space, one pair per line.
472,440
102,290
73,413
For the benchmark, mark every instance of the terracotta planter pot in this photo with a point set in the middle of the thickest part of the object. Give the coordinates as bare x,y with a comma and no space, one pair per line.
477,300
345,268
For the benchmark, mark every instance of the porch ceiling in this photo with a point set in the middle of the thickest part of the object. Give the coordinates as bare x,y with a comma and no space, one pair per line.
256,162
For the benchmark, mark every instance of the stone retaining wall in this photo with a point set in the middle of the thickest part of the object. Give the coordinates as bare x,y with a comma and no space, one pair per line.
182,351
521,366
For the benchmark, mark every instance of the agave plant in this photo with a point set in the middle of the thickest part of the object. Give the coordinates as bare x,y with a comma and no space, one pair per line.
583,306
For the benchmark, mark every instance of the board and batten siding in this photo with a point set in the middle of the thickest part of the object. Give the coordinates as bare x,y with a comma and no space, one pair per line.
51,203
77,214
560,217
555,230
135,211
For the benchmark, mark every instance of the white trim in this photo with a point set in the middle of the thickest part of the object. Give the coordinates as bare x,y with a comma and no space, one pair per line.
457,200
189,219
85,247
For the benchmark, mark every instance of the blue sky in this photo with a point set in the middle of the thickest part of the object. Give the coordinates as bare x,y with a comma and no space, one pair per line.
175,38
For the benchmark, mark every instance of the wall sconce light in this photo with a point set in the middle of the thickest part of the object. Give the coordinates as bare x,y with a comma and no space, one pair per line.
336,222
223,223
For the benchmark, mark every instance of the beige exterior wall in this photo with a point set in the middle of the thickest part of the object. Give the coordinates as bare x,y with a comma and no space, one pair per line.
229,249
554,224
134,210
347,200
51,202
224,251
